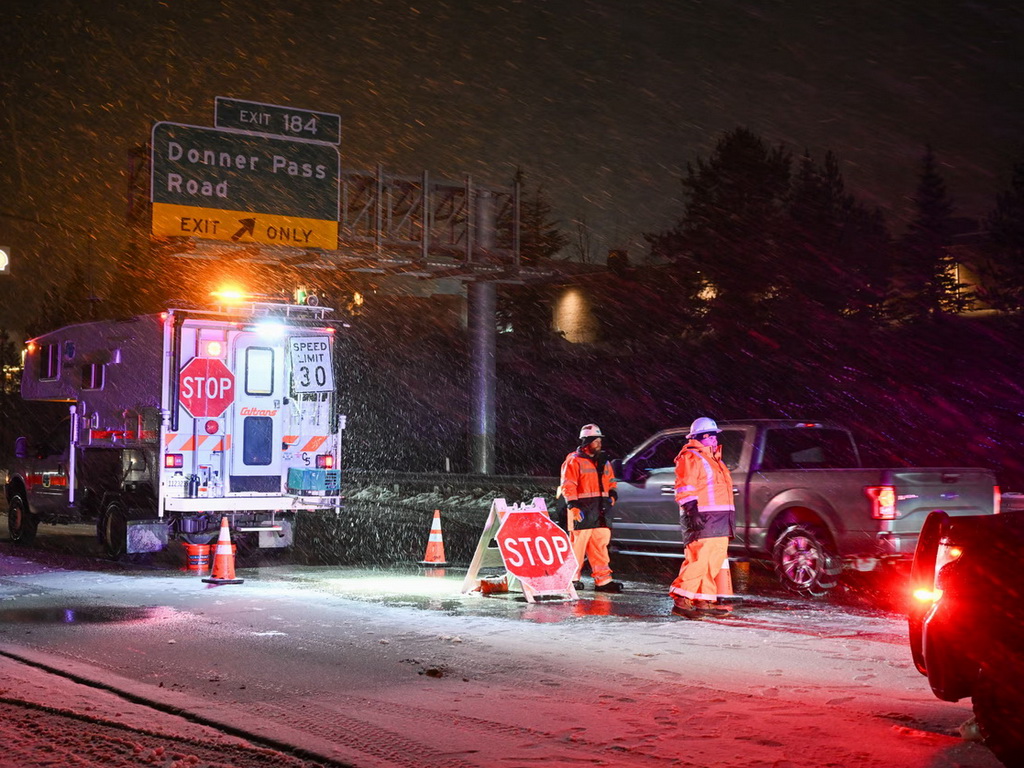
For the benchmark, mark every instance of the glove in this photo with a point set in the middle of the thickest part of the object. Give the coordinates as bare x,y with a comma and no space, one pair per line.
577,514
689,521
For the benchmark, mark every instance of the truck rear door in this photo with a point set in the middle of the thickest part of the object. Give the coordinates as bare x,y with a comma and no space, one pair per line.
257,413
955,491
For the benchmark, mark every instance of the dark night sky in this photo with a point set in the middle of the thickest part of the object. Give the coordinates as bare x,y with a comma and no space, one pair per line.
601,101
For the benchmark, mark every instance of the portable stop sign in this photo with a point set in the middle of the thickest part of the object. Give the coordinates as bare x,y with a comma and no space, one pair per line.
536,551
206,387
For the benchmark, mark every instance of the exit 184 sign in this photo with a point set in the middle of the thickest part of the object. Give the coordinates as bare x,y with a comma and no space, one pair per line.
228,185
289,122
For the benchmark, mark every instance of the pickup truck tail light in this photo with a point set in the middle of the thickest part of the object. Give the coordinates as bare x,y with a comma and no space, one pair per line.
883,501
997,500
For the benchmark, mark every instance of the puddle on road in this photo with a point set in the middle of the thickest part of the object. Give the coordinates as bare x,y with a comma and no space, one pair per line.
92,614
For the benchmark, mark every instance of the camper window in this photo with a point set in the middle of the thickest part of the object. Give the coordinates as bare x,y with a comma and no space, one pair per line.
49,362
259,371
92,376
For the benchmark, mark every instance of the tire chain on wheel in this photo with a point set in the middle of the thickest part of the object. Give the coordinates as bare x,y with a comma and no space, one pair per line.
828,575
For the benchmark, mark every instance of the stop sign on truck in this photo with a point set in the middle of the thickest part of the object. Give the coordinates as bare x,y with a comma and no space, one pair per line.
536,551
206,387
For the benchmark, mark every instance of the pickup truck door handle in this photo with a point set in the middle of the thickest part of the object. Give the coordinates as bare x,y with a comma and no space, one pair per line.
668,490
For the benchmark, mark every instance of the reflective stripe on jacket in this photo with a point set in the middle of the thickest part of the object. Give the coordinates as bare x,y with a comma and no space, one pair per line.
581,488
702,476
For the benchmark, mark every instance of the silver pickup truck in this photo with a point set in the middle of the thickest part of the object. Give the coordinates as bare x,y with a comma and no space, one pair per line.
803,500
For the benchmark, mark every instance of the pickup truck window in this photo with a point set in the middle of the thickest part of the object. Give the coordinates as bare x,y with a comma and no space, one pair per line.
808,448
662,455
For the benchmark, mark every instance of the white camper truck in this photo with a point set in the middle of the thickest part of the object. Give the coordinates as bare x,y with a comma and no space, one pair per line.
178,419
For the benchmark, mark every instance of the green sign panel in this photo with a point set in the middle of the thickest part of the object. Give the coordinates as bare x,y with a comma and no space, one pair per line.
234,171
276,120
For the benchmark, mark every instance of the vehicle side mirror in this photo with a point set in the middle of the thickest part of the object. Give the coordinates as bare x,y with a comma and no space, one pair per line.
616,465
21,447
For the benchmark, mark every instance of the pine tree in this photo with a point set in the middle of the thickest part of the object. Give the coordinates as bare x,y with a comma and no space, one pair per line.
540,234
729,237
839,263
928,285
1005,269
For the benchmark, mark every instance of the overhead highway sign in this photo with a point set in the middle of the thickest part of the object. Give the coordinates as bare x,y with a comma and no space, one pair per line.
220,184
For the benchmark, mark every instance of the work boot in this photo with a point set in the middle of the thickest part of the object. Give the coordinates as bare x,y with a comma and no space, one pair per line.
712,608
683,606
611,586
578,584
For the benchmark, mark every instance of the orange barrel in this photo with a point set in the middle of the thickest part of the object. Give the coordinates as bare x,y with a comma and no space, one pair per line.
197,557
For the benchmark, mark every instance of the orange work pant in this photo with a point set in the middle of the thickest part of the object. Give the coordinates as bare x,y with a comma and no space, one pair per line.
592,542
704,558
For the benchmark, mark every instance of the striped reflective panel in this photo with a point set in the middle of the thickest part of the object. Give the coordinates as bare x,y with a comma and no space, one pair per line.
183,442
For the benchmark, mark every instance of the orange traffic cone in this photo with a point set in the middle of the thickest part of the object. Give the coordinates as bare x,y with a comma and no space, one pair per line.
223,558
435,544
723,582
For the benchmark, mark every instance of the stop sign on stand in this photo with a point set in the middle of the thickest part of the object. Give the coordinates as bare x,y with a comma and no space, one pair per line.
537,552
206,387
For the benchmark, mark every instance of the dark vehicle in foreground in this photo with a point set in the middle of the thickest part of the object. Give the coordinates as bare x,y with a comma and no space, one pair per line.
967,620
803,500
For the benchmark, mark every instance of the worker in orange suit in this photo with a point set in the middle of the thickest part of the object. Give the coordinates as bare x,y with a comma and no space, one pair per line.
587,489
707,516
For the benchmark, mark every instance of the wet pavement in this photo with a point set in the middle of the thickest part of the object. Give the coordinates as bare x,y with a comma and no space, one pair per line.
645,598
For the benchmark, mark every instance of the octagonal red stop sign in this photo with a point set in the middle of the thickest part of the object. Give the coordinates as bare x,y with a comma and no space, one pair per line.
206,387
536,551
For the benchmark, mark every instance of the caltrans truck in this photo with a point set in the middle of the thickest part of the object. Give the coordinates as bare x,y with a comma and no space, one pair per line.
178,419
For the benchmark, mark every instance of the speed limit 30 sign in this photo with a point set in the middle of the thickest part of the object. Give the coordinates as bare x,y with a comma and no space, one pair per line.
312,366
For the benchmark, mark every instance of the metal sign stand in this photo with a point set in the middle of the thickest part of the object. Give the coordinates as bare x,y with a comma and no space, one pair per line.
488,555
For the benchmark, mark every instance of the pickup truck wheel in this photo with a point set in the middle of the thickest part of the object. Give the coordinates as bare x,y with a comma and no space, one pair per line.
804,563
997,708
113,529
21,524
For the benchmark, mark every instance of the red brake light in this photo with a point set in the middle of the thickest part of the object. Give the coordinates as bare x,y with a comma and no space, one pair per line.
325,461
883,501
174,461
997,500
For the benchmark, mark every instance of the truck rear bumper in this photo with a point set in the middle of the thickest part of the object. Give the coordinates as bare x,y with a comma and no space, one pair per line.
901,545
250,503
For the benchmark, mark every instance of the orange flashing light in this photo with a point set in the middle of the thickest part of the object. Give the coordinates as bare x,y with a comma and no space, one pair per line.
214,349
229,295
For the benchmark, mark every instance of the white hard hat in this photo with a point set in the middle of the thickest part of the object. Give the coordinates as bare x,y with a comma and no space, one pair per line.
590,430
702,425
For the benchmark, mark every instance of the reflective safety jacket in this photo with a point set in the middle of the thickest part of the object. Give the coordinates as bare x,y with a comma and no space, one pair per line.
702,477
587,483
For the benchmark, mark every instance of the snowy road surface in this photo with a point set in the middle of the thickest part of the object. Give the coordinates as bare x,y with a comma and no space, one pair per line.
303,665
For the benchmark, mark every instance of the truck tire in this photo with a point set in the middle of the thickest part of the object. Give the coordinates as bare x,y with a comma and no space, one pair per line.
21,523
804,562
112,529
997,708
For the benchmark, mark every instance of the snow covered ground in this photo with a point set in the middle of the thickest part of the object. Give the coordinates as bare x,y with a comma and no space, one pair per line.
396,668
